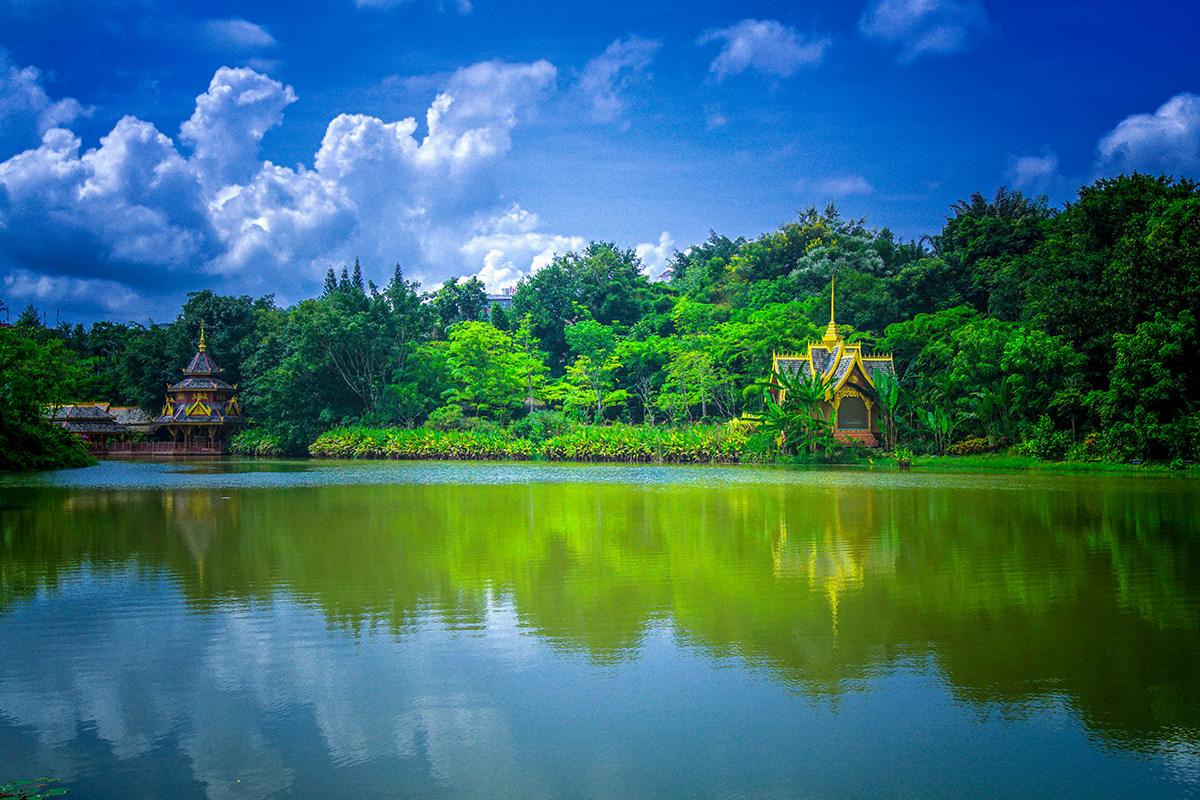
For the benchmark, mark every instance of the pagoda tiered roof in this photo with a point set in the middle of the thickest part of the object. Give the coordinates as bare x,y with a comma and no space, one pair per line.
833,358
201,398
202,363
834,365
199,383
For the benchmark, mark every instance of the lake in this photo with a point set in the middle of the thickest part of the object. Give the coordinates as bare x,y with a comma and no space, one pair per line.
380,630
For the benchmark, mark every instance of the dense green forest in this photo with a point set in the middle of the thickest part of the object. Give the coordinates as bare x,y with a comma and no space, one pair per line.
36,370
1064,333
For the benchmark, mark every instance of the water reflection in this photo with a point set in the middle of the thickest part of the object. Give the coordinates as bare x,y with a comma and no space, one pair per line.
425,630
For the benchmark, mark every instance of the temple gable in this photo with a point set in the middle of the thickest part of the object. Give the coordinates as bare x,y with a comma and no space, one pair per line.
850,375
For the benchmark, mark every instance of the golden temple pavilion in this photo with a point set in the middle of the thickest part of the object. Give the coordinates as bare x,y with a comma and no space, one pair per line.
850,374
201,411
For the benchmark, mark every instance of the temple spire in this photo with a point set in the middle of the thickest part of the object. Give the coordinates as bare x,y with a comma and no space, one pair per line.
831,332
202,345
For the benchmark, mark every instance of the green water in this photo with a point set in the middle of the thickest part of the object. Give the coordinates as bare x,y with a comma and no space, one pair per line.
242,630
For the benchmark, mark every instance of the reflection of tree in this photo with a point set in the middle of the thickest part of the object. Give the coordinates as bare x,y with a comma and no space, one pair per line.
1089,592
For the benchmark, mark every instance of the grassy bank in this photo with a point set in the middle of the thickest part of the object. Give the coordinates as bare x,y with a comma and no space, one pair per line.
697,444
1004,462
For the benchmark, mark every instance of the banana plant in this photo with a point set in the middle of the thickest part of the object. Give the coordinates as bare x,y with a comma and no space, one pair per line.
792,413
887,390
993,409
941,424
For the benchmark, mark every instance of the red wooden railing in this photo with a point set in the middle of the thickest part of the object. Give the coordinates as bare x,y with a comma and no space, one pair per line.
158,448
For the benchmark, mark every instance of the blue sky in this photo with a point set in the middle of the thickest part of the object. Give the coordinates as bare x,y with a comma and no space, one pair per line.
149,148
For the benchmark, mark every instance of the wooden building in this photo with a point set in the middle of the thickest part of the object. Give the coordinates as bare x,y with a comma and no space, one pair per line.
90,421
850,374
201,410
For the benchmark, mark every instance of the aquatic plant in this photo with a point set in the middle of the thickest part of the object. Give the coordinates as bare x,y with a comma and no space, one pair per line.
36,789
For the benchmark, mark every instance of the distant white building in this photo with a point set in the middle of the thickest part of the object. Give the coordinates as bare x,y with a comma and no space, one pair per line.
503,299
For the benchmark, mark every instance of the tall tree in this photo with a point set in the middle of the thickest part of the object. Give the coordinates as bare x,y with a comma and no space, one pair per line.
488,371
457,301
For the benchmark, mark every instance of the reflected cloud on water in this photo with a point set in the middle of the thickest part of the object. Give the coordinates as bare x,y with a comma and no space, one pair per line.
277,640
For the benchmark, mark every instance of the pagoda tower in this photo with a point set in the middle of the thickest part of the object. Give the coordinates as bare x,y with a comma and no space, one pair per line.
201,411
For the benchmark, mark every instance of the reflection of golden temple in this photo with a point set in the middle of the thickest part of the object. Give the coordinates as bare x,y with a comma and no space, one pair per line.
197,517
833,560
851,399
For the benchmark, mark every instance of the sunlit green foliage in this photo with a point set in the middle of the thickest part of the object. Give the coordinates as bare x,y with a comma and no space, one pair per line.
571,442
645,443
255,442
486,370
419,443
1013,317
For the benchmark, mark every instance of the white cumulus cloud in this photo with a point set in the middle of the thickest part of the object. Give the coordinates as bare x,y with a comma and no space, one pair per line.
607,75
26,109
230,120
139,213
767,46
474,116
655,255
924,27
130,208
1166,142
510,247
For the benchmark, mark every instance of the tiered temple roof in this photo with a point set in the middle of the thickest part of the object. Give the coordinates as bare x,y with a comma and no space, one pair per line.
833,358
849,375
201,397
87,420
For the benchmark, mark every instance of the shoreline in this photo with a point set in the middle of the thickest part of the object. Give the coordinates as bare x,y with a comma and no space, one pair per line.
978,463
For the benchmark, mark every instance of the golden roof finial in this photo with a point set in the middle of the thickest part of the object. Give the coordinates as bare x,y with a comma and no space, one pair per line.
202,345
831,332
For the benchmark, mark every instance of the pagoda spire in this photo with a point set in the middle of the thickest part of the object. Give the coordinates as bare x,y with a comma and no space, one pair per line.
831,332
203,347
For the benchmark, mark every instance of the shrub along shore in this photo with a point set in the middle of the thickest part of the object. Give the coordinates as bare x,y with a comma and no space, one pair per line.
644,444
729,443
632,444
